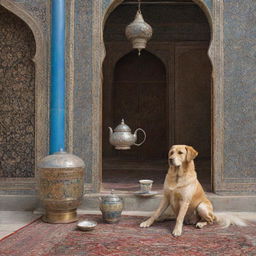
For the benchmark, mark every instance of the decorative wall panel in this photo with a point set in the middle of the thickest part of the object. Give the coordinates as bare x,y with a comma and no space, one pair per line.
83,79
240,91
37,8
17,97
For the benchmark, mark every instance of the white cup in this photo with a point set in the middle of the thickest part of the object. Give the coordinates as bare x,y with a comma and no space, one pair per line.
145,185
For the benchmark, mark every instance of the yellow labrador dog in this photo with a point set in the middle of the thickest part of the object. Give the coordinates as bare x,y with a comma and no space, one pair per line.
183,192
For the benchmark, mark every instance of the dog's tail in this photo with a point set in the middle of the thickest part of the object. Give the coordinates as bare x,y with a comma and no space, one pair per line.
227,219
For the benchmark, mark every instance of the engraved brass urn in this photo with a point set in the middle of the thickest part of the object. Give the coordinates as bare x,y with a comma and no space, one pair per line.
61,186
111,207
122,138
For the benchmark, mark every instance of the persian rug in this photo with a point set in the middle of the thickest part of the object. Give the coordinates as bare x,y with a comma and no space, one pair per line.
126,238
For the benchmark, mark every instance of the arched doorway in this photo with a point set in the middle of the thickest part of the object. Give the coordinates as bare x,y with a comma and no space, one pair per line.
20,177
138,94
17,97
181,40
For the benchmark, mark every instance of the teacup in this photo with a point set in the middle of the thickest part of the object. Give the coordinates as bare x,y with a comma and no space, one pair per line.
145,185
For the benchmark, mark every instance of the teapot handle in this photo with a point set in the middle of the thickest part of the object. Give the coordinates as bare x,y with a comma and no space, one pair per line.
139,144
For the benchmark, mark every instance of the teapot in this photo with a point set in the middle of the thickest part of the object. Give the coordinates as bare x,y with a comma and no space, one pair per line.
111,207
122,138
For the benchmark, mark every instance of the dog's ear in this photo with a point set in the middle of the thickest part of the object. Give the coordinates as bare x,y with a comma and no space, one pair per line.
169,153
191,153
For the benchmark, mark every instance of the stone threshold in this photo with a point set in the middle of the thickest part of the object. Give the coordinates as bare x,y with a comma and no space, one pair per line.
131,202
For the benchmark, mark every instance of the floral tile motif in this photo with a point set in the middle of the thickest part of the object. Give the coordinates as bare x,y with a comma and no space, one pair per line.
17,97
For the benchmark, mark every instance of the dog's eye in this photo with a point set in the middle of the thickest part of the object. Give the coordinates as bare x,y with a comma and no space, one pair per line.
180,152
171,153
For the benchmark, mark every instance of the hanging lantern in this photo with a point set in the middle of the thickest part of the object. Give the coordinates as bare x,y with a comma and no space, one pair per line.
139,32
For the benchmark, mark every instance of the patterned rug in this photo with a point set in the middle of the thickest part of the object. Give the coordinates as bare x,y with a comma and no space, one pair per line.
127,239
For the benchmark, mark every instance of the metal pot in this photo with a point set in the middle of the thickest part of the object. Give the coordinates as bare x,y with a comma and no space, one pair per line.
111,207
61,186
122,138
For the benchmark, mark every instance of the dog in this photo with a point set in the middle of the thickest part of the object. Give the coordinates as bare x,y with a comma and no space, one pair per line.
183,192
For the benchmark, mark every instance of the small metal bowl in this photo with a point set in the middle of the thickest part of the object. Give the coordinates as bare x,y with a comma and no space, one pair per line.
86,225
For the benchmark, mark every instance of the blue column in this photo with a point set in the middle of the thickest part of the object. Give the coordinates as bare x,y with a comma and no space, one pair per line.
58,87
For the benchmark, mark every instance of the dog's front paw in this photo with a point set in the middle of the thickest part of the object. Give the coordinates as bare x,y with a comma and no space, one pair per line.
177,232
146,223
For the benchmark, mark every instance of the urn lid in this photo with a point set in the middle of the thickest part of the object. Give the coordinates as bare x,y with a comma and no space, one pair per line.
111,197
61,160
122,127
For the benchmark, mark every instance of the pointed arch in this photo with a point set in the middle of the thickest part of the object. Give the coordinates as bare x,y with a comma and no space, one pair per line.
41,93
215,52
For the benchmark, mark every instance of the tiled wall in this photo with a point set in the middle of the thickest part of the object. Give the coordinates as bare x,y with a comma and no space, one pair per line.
17,97
240,90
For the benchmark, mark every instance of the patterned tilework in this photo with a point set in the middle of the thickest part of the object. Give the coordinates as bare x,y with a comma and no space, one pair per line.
17,97
38,9
209,3
240,90
105,4
83,84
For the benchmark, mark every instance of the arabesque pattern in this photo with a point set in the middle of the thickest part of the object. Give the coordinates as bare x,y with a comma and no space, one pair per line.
17,97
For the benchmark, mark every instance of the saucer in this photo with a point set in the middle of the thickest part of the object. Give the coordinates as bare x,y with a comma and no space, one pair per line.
146,194
86,225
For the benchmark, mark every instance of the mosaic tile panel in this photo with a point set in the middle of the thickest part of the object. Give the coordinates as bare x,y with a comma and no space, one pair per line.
17,97
83,83
38,9
240,90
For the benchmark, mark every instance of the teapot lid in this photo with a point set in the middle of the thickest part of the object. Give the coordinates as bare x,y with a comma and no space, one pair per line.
122,127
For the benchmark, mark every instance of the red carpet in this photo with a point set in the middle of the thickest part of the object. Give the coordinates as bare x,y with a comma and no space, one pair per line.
127,239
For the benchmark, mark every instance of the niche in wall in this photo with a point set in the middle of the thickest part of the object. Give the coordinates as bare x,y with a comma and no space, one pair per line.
17,97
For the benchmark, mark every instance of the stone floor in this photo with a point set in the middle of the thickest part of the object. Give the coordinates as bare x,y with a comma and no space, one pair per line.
10,221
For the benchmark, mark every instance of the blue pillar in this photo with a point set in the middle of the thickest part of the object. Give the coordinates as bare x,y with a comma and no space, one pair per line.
58,87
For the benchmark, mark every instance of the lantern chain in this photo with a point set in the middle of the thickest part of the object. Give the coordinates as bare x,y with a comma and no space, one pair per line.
139,4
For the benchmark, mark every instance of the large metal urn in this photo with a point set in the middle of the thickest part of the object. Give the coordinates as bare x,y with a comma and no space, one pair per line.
61,186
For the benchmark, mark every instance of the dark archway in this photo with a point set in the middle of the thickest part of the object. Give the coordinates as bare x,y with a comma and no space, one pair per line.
139,96
182,41
17,97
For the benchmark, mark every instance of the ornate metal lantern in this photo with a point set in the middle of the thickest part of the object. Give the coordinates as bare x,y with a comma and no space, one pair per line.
139,32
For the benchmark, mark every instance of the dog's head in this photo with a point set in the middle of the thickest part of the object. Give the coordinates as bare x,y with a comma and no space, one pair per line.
180,154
